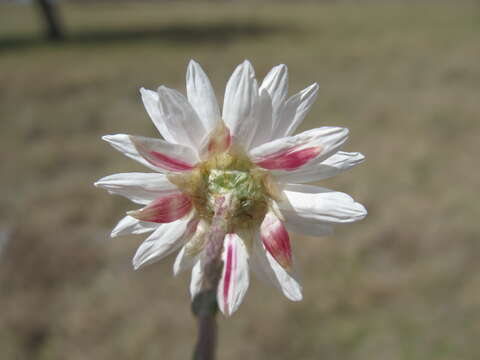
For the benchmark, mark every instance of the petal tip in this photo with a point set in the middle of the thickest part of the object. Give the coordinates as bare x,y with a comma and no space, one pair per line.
193,63
343,132
144,92
137,214
296,298
313,88
359,157
163,89
362,211
136,265
176,265
139,259
294,294
246,68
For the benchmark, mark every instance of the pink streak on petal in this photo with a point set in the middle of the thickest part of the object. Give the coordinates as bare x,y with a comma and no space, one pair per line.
159,159
165,209
275,237
290,159
228,275
227,141
221,140
168,163
192,226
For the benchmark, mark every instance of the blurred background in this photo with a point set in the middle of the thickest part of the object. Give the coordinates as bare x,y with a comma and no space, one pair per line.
404,76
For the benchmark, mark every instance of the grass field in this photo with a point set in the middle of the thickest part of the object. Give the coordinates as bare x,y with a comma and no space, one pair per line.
404,76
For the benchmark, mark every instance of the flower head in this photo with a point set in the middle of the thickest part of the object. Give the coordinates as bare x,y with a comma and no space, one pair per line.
230,186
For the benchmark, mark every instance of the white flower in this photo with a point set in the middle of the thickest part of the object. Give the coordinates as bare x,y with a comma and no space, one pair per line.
248,152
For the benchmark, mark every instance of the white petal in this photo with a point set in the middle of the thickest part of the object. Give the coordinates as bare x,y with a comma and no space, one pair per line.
202,97
326,139
307,98
166,239
319,170
182,121
239,106
141,188
263,120
150,101
196,280
192,250
183,261
165,156
267,268
129,225
123,143
276,83
294,111
311,203
234,282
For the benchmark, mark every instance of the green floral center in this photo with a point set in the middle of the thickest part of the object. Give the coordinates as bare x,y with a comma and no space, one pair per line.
246,189
228,173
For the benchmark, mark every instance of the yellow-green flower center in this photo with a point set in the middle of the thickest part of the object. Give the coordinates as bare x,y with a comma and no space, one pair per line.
229,173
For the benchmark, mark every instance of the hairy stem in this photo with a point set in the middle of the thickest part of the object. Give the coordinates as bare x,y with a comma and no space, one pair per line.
204,305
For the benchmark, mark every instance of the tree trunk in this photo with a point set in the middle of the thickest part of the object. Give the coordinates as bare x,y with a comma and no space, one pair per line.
50,15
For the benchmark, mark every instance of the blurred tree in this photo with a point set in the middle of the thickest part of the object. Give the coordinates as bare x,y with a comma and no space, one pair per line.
51,18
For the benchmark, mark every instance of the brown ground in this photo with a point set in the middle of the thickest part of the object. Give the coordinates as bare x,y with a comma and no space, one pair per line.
403,76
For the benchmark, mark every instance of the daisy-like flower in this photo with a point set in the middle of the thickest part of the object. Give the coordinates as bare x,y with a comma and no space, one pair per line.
229,187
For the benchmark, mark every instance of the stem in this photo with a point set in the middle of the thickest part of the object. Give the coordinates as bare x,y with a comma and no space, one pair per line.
204,305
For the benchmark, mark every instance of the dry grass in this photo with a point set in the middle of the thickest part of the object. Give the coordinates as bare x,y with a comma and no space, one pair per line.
403,284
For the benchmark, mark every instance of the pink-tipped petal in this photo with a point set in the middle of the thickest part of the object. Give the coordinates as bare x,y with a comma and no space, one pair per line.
167,162
165,209
141,188
275,237
293,153
267,268
165,240
229,267
220,139
122,143
235,278
318,170
164,156
290,159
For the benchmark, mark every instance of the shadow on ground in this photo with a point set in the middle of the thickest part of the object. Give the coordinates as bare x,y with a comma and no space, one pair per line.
218,33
